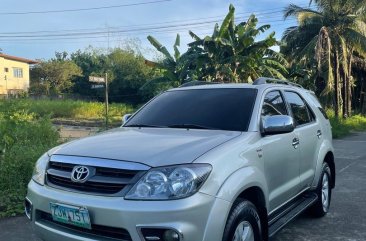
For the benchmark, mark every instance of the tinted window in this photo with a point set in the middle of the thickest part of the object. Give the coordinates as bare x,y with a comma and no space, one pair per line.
317,103
299,109
223,109
273,104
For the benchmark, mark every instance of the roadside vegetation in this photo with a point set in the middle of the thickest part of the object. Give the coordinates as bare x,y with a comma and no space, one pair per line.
342,127
68,109
24,137
26,132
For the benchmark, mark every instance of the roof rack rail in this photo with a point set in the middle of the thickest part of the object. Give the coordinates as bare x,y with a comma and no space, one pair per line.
197,83
264,80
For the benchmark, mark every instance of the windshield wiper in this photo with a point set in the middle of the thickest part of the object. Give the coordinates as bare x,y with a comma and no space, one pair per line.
143,125
191,126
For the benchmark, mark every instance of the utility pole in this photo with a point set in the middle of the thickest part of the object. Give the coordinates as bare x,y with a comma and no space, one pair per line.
106,101
6,86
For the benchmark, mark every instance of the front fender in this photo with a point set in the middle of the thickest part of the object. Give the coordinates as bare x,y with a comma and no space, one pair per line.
241,180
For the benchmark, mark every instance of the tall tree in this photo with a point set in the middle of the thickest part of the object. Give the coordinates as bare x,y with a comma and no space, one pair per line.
126,70
54,76
332,31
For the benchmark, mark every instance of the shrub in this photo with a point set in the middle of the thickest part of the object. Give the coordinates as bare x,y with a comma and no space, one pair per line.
23,139
342,127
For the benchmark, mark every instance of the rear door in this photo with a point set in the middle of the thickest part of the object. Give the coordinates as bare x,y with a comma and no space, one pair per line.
309,133
281,157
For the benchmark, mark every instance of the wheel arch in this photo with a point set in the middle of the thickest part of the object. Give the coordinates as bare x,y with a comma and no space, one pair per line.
250,184
256,196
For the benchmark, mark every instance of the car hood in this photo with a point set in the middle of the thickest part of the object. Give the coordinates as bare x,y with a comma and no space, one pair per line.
150,146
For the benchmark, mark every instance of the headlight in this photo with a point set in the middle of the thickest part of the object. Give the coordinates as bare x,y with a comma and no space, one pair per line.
39,171
173,182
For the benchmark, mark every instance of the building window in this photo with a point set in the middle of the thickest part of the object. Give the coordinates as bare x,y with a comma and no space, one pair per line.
18,72
6,70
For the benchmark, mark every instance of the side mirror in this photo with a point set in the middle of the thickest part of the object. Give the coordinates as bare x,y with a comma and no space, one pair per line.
125,118
277,124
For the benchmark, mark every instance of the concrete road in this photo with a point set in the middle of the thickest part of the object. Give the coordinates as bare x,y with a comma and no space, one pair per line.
345,222
347,218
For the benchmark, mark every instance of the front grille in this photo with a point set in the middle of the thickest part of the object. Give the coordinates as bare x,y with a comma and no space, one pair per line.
98,230
104,181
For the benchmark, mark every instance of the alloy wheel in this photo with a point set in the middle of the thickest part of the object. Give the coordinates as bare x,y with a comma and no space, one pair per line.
325,192
244,232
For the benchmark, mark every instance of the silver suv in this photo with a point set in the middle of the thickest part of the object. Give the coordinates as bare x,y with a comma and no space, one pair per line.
218,162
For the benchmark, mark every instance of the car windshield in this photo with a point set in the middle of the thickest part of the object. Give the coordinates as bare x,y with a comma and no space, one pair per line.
220,109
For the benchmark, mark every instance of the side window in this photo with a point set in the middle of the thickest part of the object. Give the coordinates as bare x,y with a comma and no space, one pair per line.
300,111
273,104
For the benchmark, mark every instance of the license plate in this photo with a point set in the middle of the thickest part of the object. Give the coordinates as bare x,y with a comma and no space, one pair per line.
77,216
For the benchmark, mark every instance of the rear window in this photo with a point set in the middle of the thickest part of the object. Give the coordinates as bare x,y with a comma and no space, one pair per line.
222,109
317,103
300,111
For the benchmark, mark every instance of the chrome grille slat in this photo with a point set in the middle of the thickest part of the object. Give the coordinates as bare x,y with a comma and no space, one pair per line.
58,173
107,180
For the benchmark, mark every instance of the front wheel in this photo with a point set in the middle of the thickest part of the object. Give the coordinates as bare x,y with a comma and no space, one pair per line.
243,223
324,192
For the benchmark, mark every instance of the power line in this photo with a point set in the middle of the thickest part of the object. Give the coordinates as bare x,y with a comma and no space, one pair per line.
97,35
114,31
84,9
126,32
217,18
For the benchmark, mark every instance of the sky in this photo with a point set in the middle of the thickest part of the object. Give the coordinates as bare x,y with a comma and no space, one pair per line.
36,29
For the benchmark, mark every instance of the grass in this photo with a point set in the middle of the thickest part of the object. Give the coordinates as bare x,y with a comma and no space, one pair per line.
68,109
342,127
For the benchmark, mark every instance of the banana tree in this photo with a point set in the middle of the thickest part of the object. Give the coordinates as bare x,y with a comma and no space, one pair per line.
232,53
170,66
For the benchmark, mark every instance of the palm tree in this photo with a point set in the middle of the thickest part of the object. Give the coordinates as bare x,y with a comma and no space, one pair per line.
333,32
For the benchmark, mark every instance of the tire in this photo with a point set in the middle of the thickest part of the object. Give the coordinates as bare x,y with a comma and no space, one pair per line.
243,224
324,192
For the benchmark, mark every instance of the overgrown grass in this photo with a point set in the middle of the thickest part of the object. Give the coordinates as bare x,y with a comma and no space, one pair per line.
67,109
24,137
342,127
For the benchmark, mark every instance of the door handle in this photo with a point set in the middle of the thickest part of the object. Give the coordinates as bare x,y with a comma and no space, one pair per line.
319,134
295,142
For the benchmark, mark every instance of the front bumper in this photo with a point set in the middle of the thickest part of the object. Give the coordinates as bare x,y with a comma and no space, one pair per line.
200,217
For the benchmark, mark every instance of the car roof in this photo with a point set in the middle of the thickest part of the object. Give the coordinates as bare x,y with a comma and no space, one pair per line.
259,87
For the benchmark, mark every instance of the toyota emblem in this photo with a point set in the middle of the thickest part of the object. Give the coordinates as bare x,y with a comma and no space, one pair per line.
80,174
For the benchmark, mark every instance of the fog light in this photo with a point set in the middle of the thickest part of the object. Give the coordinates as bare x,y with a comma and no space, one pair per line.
28,208
160,234
171,235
